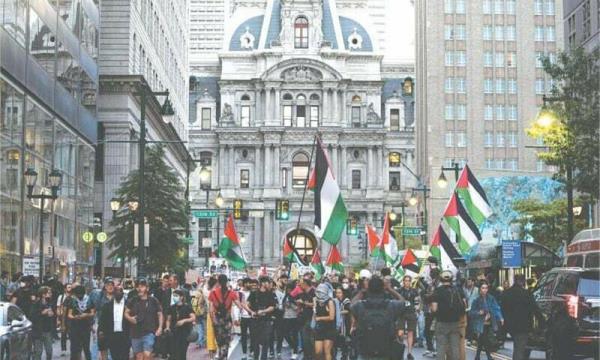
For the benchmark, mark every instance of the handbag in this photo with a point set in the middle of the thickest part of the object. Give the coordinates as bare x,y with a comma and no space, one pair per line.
491,340
193,336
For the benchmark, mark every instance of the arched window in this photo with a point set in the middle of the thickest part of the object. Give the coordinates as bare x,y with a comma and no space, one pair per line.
300,165
288,96
301,110
245,97
304,242
314,97
301,33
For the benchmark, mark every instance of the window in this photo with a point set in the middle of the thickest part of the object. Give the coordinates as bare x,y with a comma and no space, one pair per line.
499,112
245,97
449,59
510,33
550,7
395,119
572,26
304,242
301,33
538,7
587,19
287,115
488,86
14,15
394,159
300,116
448,6
552,56
205,123
512,86
499,7
539,33
395,181
487,7
449,112
244,179
460,32
488,59
300,166
461,112
488,139
499,61
512,139
449,85
511,59
314,116
460,58
449,139
460,6
449,32
284,179
513,164
499,33
550,33
500,139
355,179
499,164
288,96
488,112
539,86
461,139
460,85
245,116
538,59
500,86
355,116
539,165
489,163
487,32
511,7
511,112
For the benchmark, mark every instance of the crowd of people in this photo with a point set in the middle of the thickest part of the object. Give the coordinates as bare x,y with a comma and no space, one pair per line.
367,316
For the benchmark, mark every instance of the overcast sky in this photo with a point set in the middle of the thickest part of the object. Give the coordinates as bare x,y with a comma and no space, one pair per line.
400,43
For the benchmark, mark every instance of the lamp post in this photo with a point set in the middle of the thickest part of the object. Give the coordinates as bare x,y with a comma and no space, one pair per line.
54,180
414,201
442,182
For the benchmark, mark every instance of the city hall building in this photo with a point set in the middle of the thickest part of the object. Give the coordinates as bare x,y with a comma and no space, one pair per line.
287,71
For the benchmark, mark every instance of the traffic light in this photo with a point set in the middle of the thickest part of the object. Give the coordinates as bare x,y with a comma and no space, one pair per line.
282,209
352,226
238,204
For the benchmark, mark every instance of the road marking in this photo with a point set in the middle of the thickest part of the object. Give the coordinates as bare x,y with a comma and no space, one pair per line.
495,354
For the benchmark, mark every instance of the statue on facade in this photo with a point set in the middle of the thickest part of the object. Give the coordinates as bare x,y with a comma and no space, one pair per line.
372,116
227,114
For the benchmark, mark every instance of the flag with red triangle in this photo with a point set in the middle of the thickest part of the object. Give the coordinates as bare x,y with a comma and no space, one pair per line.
389,244
443,250
334,260
317,265
473,196
467,233
410,263
374,241
290,253
230,248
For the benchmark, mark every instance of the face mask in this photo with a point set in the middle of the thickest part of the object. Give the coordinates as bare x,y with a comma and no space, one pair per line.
176,299
345,286
21,284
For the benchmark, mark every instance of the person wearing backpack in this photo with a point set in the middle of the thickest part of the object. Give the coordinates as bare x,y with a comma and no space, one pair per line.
375,323
199,306
262,304
221,300
449,307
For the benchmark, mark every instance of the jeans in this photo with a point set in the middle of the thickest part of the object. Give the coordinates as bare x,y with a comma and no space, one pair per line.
41,343
245,326
520,346
428,331
420,335
447,337
262,334
201,323
482,342
80,341
118,345
289,329
63,340
308,341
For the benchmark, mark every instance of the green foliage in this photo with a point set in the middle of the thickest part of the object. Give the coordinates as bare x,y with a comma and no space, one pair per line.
165,211
574,140
546,223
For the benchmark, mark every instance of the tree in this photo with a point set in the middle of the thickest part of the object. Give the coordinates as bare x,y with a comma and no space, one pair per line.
573,139
546,223
165,211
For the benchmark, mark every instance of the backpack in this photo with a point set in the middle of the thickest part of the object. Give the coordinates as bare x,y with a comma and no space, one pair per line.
375,329
456,304
199,306
221,310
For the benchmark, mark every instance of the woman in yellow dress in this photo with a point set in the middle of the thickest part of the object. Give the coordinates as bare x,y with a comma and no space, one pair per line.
211,340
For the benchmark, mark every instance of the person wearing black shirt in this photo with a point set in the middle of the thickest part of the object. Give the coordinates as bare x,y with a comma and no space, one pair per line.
179,323
262,303
42,318
410,296
80,316
305,302
113,329
449,305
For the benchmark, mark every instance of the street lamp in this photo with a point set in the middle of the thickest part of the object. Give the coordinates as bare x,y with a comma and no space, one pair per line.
167,111
392,215
133,205
115,204
54,180
413,200
442,182
219,201
204,176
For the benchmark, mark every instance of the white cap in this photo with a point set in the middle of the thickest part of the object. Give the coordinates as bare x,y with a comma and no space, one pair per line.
364,274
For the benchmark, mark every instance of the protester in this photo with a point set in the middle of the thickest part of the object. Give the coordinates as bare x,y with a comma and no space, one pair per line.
471,293
519,309
410,295
113,328
374,323
324,319
3,285
245,317
290,319
200,308
449,306
221,300
145,317
211,340
80,314
305,302
427,296
62,321
487,318
180,320
280,292
262,304
342,312
98,298
43,320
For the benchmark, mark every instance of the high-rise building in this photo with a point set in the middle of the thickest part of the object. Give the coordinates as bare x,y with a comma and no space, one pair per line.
480,85
48,88
143,47
207,28
289,70
582,23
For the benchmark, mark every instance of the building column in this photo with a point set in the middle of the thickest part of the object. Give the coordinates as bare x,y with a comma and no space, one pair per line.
344,121
326,106
231,167
268,106
277,121
334,160
380,174
343,175
267,182
335,117
370,168
257,163
221,165
258,117
276,166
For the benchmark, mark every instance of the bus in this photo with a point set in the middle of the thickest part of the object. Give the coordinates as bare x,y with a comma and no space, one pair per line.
584,250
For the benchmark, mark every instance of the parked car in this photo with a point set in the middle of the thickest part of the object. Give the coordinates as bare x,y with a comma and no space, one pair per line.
15,333
576,290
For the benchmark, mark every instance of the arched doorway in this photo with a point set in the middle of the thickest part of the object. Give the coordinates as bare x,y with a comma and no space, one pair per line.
305,243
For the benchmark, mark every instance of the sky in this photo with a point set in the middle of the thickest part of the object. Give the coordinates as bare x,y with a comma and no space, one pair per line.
400,23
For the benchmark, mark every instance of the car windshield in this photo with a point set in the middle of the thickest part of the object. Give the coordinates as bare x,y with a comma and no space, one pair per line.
589,285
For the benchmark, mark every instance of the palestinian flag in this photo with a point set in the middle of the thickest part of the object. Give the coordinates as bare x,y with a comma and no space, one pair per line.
390,246
443,249
473,197
230,248
410,264
467,233
330,210
317,265
374,241
290,253
334,260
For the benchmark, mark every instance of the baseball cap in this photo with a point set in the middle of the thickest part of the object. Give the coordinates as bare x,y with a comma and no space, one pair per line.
364,274
142,281
109,280
446,275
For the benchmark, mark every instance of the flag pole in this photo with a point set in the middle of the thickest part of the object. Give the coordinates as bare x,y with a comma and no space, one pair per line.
312,151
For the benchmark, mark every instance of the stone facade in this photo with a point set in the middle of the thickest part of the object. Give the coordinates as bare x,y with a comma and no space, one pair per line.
582,23
252,123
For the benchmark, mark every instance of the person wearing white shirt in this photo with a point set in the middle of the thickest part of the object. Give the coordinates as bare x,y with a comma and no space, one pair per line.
113,327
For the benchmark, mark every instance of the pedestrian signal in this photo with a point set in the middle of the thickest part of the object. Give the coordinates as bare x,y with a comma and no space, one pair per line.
352,226
238,204
282,209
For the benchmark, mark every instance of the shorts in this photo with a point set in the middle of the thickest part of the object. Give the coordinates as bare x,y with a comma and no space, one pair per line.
143,344
325,333
410,322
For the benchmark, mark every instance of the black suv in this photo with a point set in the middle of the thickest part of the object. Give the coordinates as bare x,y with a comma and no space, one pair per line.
577,291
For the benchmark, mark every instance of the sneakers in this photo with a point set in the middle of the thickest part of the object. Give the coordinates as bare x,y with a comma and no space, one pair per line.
410,357
427,353
294,357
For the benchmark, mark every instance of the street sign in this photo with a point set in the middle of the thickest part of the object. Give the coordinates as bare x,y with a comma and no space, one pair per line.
411,230
511,254
101,237
188,240
31,265
205,214
256,213
87,236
